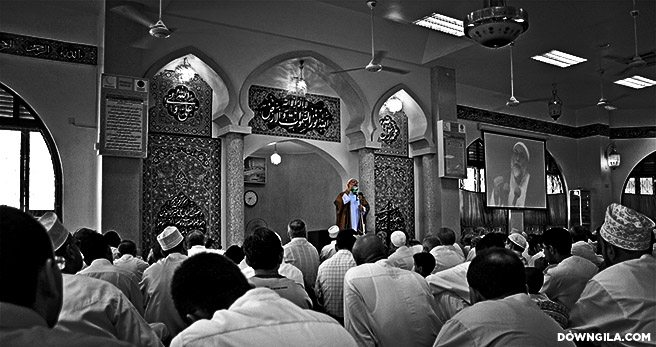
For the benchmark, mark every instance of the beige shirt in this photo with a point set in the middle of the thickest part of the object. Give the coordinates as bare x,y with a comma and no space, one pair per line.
620,299
388,306
564,282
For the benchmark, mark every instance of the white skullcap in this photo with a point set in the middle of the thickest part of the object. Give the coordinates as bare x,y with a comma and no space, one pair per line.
398,238
169,238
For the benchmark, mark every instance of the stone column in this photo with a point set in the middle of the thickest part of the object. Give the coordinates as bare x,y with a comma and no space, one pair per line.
367,184
446,196
431,209
233,167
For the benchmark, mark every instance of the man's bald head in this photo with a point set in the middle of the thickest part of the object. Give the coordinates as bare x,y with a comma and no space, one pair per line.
368,249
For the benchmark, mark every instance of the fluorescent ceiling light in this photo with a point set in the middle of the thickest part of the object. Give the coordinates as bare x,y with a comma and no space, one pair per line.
558,58
442,23
636,82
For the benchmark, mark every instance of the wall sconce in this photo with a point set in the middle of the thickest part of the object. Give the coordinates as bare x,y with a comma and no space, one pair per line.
185,72
275,157
612,156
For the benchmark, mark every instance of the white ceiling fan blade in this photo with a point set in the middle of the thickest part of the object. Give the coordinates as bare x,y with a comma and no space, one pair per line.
131,12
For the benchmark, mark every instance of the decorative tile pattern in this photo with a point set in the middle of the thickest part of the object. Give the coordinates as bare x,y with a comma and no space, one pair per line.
180,108
395,197
394,138
517,122
181,186
234,148
314,116
36,47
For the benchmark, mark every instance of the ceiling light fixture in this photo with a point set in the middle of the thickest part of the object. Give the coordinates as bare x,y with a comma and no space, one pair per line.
558,58
440,22
555,104
184,71
393,104
298,86
496,25
636,82
275,157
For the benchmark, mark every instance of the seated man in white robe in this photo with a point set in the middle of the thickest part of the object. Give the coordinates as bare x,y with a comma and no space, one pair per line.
212,294
502,314
621,299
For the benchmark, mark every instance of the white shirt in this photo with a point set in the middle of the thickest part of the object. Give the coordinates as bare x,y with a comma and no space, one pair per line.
587,251
132,264
564,282
447,257
262,318
123,279
156,289
450,289
388,306
23,327
95,307
522,189
620,299
512,321
200,249
402,258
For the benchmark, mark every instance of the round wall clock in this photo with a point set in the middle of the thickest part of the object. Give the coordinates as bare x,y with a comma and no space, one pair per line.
250,198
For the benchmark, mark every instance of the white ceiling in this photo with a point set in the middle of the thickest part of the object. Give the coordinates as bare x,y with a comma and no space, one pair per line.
579,27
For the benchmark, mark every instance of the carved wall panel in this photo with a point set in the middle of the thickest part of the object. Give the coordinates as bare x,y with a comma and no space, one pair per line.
395,196
394,138
312,116
181,186
180,108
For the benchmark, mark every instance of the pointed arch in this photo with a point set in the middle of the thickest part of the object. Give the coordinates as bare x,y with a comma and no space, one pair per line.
343,84
225,107
418,121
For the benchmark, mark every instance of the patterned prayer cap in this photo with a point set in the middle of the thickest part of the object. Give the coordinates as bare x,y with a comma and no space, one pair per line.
626,228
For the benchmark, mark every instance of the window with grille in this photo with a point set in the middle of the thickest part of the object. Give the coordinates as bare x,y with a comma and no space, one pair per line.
30,169
475,181
642,178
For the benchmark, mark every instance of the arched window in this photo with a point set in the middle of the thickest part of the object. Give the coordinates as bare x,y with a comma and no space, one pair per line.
475,181
638,192
30,169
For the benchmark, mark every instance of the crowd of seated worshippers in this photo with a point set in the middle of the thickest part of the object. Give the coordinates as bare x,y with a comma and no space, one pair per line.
359,293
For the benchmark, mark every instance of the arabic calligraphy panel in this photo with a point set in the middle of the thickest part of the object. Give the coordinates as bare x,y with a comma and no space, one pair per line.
180,108
395,197
181,186
36,47
311,116
394,138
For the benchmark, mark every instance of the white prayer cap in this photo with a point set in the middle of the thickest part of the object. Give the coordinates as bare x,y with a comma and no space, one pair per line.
169,238
398,238
333,231
55,229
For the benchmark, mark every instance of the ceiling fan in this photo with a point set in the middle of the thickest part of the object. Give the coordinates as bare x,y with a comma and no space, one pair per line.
131,11
376,56
638,60
603,102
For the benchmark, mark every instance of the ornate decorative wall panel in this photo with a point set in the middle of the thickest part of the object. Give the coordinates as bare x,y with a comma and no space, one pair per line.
311,116
181,186
394,138
180,108
36,47
395,195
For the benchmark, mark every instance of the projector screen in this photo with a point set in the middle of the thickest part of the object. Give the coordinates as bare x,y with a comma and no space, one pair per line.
514,172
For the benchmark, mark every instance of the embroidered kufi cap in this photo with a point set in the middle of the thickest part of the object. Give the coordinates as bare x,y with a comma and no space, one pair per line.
626,228
169,238
517,239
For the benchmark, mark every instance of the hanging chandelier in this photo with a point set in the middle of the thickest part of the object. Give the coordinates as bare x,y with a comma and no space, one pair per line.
496,25
184,71
298,86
